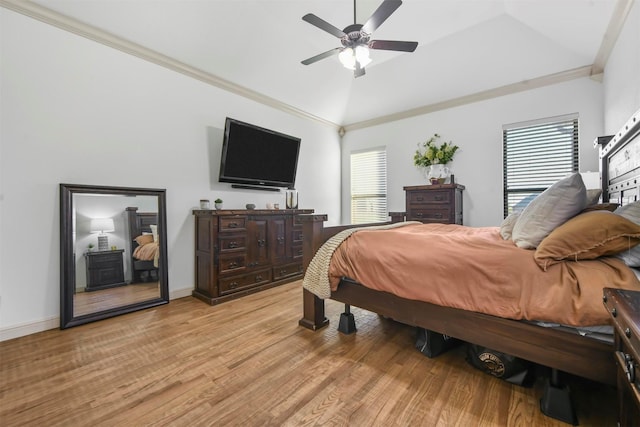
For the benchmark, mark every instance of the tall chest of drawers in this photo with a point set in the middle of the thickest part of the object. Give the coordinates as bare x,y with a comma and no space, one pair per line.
434,203
624,308
238,252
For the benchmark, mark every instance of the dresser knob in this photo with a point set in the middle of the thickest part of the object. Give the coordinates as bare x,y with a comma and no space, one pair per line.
604,298
627,332
614,312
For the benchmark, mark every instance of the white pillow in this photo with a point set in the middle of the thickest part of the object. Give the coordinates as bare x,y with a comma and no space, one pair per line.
154,231
506,228
553,207
631,212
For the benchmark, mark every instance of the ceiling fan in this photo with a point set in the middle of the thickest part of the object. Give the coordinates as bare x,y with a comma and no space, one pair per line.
356,39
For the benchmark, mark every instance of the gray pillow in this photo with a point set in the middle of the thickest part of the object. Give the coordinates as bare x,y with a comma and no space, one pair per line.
631,212
553,207
593,196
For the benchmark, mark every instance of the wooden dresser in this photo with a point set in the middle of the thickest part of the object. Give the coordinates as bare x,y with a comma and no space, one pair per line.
624,308
434,203
238,252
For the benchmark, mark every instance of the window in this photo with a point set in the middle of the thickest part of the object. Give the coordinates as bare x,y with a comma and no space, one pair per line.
535,155
369,186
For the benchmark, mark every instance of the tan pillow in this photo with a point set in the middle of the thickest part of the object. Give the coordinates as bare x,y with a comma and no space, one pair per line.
144,239
631,212
587,236
611,207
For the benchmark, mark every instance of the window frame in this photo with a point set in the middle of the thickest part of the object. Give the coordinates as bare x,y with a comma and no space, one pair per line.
520,140
375,192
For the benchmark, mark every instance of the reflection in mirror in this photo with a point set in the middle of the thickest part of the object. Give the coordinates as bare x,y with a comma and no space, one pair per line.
113,251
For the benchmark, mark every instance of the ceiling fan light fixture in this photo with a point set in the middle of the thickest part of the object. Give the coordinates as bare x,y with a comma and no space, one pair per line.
362,56
349,56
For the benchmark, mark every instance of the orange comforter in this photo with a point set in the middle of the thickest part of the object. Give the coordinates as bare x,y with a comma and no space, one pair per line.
476,270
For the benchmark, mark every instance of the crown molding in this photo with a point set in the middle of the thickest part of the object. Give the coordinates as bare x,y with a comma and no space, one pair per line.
538,82
74,26
616,23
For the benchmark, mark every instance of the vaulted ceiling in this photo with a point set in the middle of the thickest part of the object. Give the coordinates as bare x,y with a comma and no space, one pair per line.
468,49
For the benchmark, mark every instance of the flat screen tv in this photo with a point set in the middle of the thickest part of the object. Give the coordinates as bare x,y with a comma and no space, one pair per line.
255,157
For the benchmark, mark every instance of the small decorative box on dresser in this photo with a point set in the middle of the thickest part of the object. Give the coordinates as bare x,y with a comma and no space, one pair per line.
238,252
624,308
105,269
435,203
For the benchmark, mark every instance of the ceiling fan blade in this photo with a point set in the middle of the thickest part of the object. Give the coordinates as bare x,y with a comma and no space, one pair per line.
380,15
393,45
323,55
323,25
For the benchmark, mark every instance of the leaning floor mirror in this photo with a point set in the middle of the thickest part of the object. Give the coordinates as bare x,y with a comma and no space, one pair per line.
113,252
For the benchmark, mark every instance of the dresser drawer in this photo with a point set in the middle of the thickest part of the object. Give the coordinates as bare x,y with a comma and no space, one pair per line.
297,235
105,258
245,281
297,251
420,197
232,263
283,271
431,214
232,223
232,242
626,317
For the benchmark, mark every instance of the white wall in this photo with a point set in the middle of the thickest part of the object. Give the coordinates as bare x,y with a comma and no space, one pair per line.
622,75
477,130
74,111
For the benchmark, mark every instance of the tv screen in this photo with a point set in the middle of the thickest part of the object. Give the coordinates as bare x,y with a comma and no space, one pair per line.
255,156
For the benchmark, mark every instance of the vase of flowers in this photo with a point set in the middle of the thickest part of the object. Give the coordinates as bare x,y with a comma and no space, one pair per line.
433,157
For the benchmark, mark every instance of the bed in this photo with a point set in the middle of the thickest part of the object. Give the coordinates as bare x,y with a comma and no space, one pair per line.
144,251
561,348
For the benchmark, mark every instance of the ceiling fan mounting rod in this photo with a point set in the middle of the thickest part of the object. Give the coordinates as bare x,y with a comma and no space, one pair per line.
354,12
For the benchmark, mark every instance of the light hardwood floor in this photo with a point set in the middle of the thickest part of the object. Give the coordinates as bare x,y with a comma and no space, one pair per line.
105,299
247,362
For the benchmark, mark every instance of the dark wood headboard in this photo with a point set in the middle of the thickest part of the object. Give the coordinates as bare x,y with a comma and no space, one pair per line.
620,164
140,222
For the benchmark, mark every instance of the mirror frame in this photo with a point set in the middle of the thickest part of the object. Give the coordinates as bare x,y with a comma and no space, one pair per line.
67,258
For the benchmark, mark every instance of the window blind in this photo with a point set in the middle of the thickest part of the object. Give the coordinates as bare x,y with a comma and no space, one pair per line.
369,186
536,155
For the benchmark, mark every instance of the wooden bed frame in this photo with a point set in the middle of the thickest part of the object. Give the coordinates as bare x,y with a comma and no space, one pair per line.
140,222
557,349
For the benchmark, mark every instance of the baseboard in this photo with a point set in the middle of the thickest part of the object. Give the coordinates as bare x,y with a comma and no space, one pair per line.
54,322
28,328
180,293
